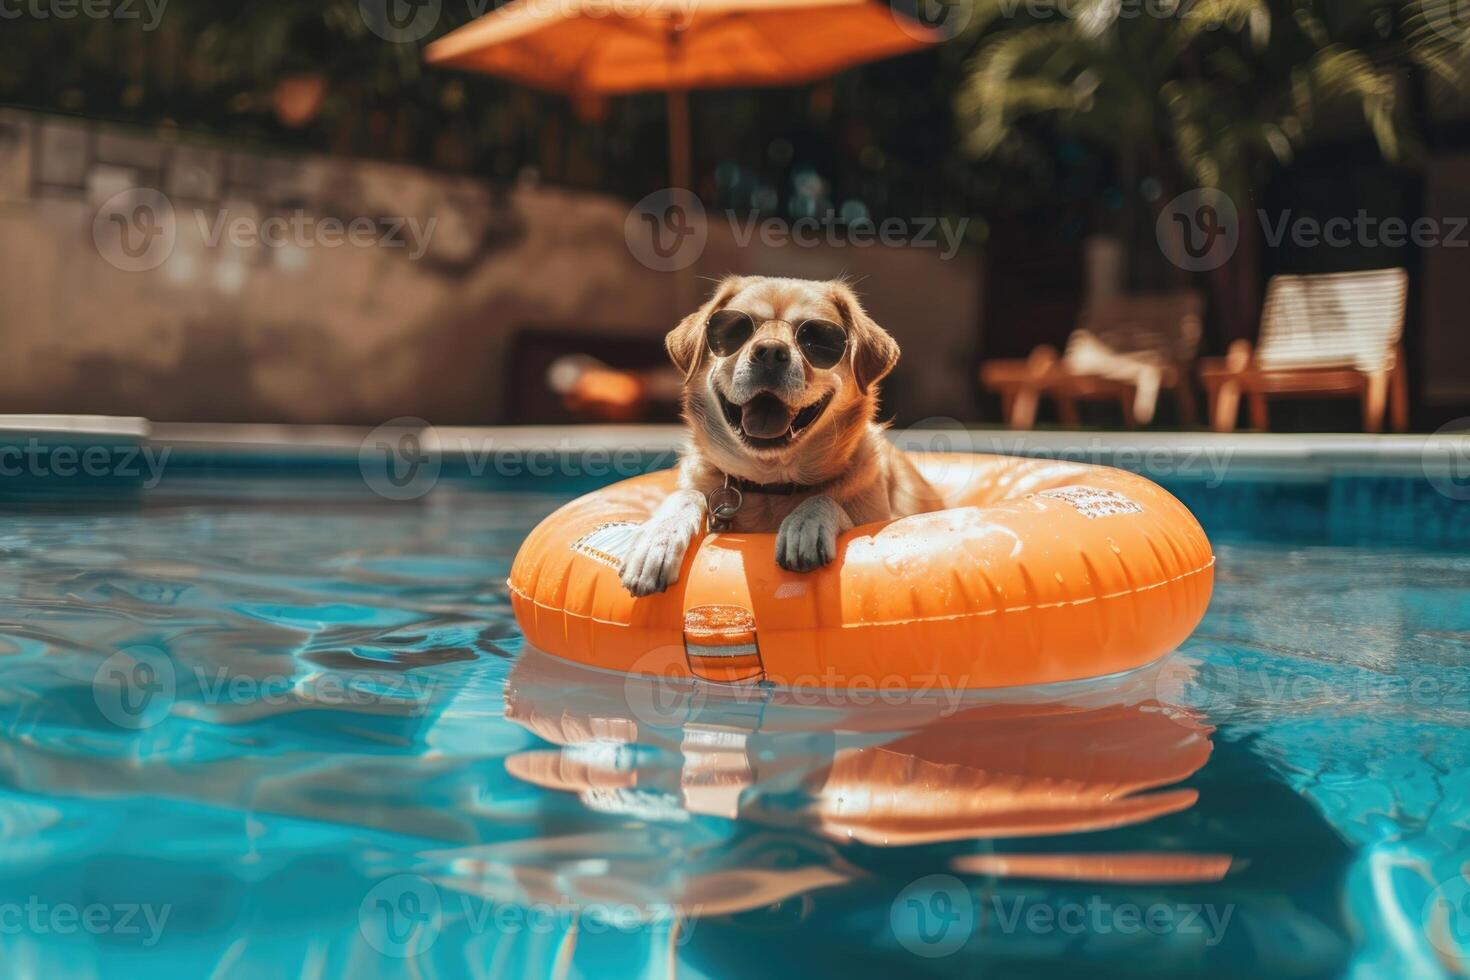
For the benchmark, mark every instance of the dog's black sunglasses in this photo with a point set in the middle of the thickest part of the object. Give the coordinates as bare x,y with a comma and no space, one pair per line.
822,342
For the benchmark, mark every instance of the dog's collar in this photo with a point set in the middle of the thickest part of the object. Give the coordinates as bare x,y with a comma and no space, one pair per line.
725,501
774,489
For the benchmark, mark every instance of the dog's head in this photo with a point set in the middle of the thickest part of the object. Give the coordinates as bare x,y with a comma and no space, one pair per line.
779,375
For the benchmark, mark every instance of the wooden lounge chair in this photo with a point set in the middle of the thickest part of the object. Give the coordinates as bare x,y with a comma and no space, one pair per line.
1125,348
1320,335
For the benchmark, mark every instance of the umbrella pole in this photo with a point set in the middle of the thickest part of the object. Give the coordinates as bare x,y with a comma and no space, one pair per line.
680,176
679,157
681,169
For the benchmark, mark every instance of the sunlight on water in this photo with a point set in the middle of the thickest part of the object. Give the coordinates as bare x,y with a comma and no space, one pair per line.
282,733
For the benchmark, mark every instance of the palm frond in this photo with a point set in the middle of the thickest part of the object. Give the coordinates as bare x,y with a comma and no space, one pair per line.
999,90
1224,88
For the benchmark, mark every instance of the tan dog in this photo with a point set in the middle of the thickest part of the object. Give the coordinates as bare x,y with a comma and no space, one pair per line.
779,396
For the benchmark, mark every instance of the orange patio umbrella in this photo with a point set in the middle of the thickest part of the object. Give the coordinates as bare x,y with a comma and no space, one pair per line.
616,47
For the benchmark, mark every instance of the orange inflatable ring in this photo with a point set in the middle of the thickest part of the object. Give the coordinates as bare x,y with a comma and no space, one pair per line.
1042,571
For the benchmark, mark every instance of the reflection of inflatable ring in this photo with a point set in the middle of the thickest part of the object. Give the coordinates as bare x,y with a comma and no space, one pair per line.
1041,572
990,770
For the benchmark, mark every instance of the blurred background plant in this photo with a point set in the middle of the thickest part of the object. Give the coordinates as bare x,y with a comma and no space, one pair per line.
315,77
1169,94
1186,94
1046,125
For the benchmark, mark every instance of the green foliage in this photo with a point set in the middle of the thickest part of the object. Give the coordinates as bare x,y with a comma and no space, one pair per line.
213,67
1209,93
881,134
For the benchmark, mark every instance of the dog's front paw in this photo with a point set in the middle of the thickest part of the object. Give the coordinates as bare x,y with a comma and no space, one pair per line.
808,537
653,560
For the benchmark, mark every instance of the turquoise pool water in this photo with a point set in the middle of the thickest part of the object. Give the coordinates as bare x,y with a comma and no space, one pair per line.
277,727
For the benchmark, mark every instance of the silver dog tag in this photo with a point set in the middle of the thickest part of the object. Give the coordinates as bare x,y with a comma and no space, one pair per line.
724,504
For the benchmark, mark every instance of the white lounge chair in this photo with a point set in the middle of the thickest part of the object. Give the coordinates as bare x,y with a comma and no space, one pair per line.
1320,335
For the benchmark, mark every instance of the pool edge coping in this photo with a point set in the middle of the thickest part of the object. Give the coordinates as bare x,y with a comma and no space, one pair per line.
1299,456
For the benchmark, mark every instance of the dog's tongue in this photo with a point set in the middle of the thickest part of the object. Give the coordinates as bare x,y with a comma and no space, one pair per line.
765,417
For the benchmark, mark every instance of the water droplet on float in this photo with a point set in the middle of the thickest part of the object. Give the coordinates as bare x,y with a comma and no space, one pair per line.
1114,545
1059,578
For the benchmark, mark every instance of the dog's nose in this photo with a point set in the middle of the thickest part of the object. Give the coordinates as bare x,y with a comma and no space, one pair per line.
770,353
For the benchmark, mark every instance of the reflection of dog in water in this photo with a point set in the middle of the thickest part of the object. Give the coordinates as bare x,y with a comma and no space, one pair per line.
987,771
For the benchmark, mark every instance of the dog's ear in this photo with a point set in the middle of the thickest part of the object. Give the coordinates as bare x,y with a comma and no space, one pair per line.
685,343
873,351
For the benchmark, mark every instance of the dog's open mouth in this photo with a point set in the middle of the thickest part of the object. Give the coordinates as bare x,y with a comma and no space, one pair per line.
766,422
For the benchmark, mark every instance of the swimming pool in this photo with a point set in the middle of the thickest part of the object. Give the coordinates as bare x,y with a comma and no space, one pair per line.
260,720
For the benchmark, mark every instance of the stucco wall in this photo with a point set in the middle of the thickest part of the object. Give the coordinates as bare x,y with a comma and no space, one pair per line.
396,324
